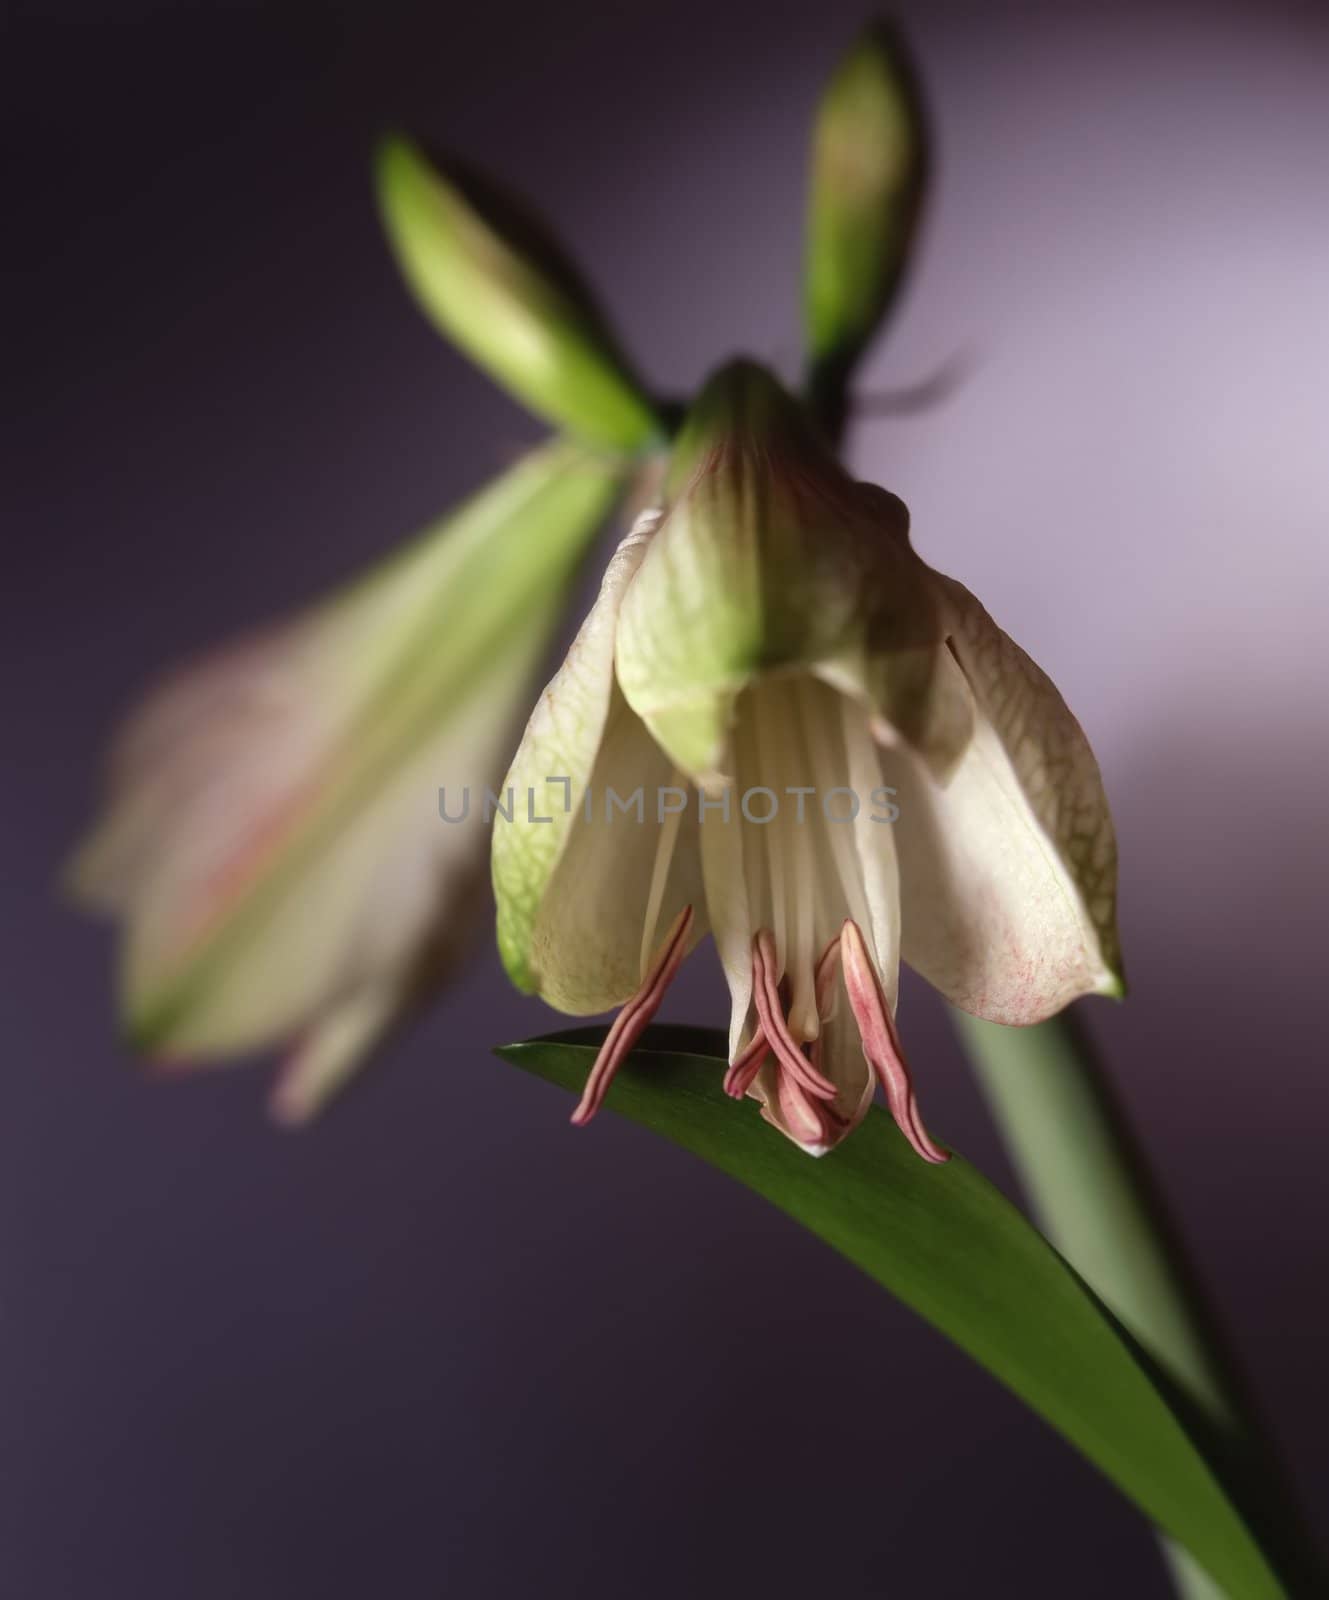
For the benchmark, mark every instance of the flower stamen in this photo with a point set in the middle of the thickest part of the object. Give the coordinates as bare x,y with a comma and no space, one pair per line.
746,1065
752,1057
771,1014
804,1119
881,1043
634,1018
827,963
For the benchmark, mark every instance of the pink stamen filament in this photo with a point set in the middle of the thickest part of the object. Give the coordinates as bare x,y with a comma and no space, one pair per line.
746,1065
800,1087
771,1014
881,1043
823,980
633,1020
804,1119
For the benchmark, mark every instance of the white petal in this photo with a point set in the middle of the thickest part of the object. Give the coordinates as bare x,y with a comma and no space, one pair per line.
732,917
332,1049
572,894
587,943
1008,869
874,843
357,904
232,710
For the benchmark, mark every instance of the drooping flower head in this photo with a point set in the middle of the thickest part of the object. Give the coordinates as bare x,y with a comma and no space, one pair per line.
272,841
841,762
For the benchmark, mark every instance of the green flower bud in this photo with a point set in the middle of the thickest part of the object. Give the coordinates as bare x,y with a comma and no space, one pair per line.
869,161
494,283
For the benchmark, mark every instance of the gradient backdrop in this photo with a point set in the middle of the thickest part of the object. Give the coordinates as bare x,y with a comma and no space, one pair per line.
443,1345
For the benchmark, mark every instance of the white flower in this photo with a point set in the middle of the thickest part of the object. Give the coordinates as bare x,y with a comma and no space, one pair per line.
272,839
771,631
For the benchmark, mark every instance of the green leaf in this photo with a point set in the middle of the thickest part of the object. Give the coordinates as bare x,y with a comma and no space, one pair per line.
491,278
944,1241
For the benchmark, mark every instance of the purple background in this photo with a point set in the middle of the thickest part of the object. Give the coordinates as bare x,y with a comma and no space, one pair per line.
442,1344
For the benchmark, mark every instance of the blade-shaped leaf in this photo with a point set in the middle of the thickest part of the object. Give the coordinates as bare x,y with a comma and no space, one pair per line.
944,1241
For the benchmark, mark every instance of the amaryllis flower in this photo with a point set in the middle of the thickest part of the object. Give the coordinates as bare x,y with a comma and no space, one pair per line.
272,839
779,725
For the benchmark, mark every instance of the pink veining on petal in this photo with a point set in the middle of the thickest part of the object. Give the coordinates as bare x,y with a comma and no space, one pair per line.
881,1043
769,1010
238,872
632,1021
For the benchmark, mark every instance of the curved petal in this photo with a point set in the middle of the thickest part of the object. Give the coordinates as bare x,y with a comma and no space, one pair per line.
331,1050
732,916
194,728
1008,869
629,866
226,952
572,876
874,845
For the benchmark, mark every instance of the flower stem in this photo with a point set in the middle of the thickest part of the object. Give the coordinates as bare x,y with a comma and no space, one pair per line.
1091,1192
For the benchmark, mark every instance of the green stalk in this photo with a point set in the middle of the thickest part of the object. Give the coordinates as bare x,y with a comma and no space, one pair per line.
1090,1190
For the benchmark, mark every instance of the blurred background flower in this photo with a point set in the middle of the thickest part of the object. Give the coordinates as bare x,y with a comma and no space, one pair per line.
237,1364
272,839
